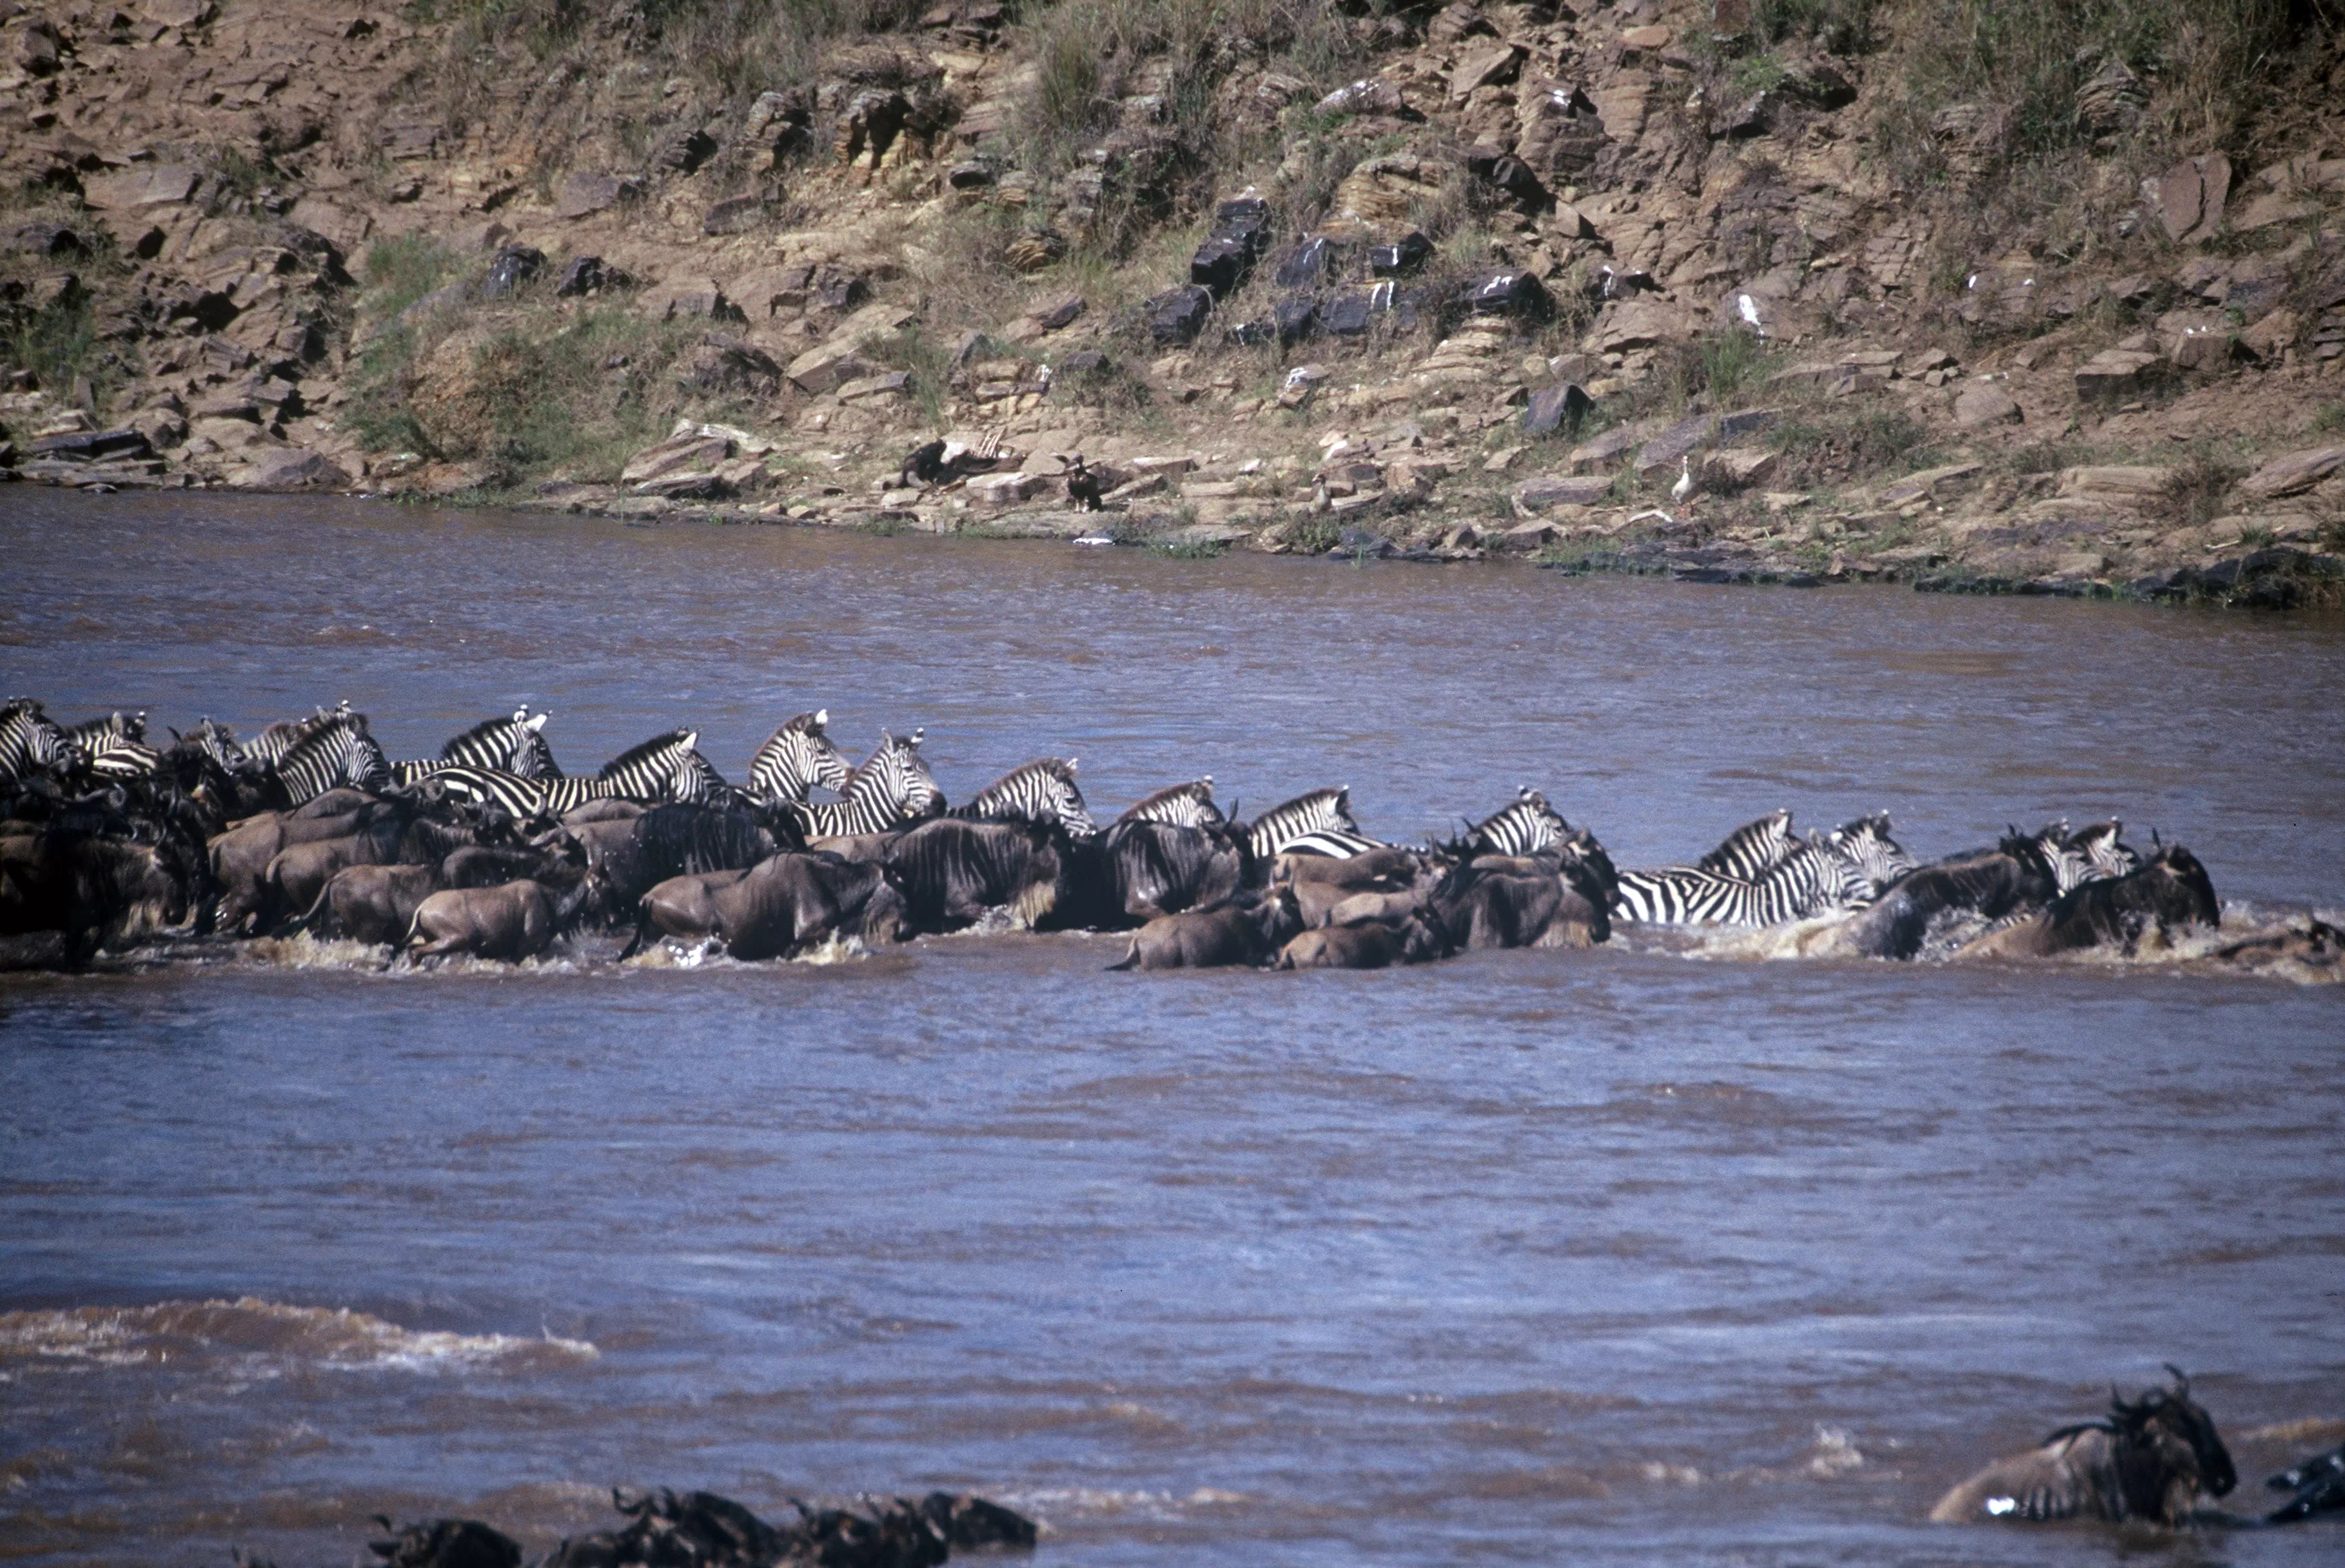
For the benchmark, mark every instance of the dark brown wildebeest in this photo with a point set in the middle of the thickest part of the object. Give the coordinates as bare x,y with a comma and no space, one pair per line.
1558,898
2170,890
97,890
1248,929
776,909
377,902
1390,864
2015,876
511,920
952,872
2319,1483
1362,944
1139,869
2151,1459
1082,487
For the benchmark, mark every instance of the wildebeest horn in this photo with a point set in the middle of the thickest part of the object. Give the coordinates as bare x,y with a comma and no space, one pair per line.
2181,1379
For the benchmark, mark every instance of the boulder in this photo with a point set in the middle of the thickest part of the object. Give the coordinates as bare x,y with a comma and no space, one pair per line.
1537,495
1551,408
2189,198
1516,295
142,186
90,446
2293,472
1486,68
2122,486
827,367
514,264
2271,336
2115,373
1638,323
1401,258
735,215
290,468
1176,317
1983,404
583,195
680,453
1738,468
1924,484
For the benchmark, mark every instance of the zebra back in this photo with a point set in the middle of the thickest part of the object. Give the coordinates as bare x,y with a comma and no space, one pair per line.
123,758
1524,827
1187,805
269,747
1866,845
1326,813
1042,790
891,787
648,771
510,792
1810,879
94,735
797,757
1752,848
513,745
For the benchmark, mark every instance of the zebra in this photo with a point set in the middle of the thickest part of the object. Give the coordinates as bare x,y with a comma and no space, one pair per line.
1187,805
271,743
1524,827
30,740
665,768
515,746
2106,852
893,786
1866,845
1043,791
795,758
1752,848
1810,880
1319,822
338,754
216,741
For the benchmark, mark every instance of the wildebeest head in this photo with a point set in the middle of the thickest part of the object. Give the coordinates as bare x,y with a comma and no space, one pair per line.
2166,1450
2194,890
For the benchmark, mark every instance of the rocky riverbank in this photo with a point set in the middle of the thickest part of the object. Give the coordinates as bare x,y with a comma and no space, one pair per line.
1733,291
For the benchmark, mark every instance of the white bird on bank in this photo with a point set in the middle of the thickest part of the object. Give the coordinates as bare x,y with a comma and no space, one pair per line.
1682,491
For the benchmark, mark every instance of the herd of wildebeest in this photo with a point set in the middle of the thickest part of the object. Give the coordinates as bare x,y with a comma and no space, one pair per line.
2154,1460
109,838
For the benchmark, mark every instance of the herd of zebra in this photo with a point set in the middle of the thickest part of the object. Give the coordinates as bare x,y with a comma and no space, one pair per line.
491,848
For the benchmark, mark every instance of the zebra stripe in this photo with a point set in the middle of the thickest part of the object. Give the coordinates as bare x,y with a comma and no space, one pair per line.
1866,845
267,748
341,754
1187,805
797,757
125,758
511,746
665,768
31,741
2106,852
891,788
1323,811
1807,882
216,741
1750,849
1524,827
93,735
1042,790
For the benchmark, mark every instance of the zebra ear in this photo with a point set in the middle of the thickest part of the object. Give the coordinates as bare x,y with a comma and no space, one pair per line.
1070,764
535,725
821,718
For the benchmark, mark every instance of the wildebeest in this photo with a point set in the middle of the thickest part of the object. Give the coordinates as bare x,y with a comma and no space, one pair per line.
677,841
953,872
1082,487
445,1544
2319,1483
1362,944
97,890
377,902
776,907
2151,1458
1137,870
1247,929
511,920
2170,890
1558,898
1992,884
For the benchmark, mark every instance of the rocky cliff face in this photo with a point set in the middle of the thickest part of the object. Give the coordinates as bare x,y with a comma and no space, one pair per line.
1733,288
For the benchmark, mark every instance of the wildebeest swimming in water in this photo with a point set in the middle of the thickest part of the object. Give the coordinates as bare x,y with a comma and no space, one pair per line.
2150,1457
1247,929
2015,875
511,920
1362,944
2171,889
2319,1483
775,908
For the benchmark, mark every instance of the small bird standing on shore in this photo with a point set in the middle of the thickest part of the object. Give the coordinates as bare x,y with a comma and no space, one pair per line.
1682,491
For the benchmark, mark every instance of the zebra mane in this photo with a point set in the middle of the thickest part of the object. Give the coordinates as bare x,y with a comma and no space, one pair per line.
1315,811
1177,802
482,731
891,745
814,723
1760,841
1060,769
674,743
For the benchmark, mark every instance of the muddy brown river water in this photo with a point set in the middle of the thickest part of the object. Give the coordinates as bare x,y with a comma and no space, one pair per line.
1641,1255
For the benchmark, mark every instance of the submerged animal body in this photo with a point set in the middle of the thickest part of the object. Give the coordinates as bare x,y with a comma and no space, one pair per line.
2170,890
2150,1457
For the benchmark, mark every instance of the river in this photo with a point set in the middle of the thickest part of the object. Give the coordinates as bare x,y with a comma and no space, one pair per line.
1629,1255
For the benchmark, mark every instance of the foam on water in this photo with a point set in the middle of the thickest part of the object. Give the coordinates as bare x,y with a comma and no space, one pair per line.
253,1338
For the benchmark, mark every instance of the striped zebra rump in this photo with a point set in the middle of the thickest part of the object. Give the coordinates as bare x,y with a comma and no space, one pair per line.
1524,827
1187,805
1043,790
1750,849
795,759
1322,817
1809,881
31,742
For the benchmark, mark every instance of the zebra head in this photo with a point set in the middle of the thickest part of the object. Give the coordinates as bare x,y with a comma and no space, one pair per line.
797,757
2102,846
695,781
1866,845
2071,868
1042,790
1524,825
1320,811
31,742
